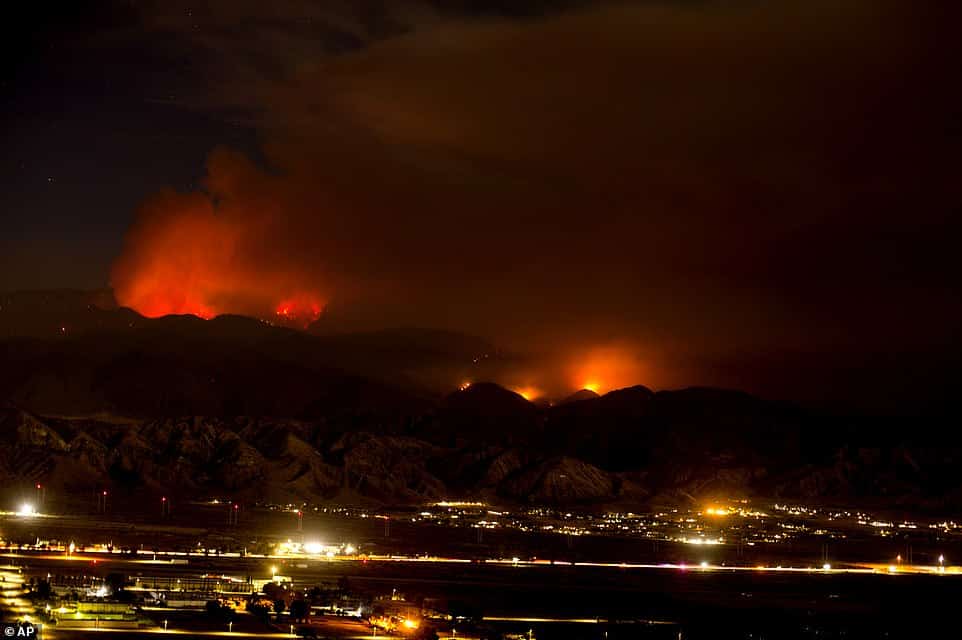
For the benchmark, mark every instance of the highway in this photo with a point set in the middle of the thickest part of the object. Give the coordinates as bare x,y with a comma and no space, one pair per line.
250,562
514,591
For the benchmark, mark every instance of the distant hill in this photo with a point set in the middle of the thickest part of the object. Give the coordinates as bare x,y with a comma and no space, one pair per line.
681,447
93,395
487,399
47,314
74,352
577,396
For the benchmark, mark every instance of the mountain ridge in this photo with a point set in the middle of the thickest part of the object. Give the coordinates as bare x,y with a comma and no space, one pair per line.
235,405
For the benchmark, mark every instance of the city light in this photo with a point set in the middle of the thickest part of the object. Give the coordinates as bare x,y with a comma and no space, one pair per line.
27,509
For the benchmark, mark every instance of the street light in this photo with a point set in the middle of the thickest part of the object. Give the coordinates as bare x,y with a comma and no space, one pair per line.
230,627
165,625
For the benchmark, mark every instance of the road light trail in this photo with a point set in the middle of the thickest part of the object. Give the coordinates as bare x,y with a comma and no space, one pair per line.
854,568
571,620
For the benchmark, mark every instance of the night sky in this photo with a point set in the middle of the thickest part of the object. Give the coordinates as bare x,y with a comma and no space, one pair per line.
758,195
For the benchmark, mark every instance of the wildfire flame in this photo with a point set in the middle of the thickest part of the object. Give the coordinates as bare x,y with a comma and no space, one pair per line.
301,310
601,369
528,393
207,254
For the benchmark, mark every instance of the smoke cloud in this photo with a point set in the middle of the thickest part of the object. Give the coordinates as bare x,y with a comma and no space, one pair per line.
702,186
217,252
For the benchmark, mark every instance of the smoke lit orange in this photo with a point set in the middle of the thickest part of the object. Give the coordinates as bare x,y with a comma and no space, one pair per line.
208,254
300,310
602,369
528,393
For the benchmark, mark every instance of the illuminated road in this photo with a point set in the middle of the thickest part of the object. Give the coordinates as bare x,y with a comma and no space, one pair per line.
171,559
453,575
52,632
565,620
13,605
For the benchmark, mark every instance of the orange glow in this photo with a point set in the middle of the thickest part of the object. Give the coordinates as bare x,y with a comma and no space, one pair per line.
602,369
179,261
464,385
300,310
186,255
528,393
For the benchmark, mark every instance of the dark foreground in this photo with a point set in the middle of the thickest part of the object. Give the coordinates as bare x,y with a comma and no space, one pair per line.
567,603
554,601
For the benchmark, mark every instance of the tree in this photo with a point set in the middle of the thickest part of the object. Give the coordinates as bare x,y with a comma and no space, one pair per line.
43,590
116,581
299,610
260,612
216,610
426,633
274,591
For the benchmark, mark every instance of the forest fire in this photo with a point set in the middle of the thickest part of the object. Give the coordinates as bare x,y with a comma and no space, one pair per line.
601,369
301,310
529,393
207,254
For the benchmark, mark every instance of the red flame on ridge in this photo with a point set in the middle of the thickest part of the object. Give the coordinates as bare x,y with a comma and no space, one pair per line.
299,310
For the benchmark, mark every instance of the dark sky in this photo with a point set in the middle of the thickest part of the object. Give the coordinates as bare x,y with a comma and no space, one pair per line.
762,195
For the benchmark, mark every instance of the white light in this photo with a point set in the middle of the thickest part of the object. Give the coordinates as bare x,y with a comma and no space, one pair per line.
704,564
826,566
26,509
313,547
349,549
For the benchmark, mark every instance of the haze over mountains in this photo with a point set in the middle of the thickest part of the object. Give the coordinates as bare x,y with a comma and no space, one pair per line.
99,396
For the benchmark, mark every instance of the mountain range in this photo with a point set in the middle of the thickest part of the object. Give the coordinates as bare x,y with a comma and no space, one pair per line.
92,395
